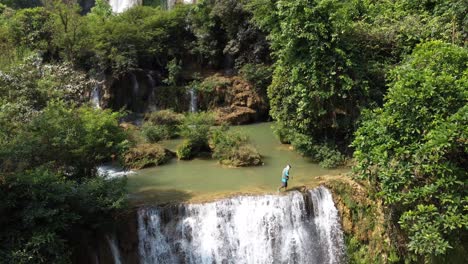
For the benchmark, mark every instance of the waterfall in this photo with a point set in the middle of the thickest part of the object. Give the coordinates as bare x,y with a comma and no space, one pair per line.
152,106
135,85
112,171
170,4
292,228
328,223
193,100
135,88
114,249
96,96
119,6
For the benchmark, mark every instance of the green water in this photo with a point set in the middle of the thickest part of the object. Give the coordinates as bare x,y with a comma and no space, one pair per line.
204,178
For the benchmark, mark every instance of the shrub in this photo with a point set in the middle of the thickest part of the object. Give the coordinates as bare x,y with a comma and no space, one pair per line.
161,125
257,74
233,149
165,117
196,128
283,133
327,156
155,133
146,155
243,156
185,150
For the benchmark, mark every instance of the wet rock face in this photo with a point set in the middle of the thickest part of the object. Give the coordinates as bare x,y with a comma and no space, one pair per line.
134,91
235,100
118,243
86,5
235,115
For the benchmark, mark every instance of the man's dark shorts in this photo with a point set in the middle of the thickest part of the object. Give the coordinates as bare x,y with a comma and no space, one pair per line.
285,184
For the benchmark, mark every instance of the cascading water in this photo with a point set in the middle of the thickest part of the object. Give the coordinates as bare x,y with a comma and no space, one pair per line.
169,4
152,106
114,250
135,95
293,228
327,221
96,96
119,6
193,100
135,85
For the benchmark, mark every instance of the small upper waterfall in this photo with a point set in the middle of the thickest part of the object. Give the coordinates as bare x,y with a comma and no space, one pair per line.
293,228
152,106
96,96
119,6
169,4
135,89
114,249
193,100
135,85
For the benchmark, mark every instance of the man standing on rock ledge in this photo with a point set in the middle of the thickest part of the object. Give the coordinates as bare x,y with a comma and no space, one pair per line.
285,178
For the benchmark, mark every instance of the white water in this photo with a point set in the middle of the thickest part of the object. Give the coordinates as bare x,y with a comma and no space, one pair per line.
110,171
135,85
114,249
152,98
327,222
293,228
171,3
119,6
96,96
193,100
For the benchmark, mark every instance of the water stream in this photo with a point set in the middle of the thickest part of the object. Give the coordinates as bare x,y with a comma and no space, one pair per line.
152,106
96,97
119,6
193,100
204,179
292,228
114,249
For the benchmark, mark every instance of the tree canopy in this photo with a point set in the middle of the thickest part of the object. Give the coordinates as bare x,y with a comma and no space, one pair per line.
414,148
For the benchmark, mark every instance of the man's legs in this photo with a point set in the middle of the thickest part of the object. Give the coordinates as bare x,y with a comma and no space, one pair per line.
283,185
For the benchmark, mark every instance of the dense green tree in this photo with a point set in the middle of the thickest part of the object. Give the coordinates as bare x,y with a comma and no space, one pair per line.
68,27
29,28
142,37
69,140
226,35
21,3
318,87
413,150
41,211
29,86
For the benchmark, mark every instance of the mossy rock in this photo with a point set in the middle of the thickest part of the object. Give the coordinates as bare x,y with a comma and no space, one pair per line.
185,150
146,155
244,156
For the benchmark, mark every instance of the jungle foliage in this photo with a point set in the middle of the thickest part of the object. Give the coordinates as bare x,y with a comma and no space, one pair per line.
388,77
332,57
49,183
414,149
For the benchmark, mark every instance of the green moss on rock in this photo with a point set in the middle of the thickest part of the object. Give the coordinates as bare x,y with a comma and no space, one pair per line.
146,155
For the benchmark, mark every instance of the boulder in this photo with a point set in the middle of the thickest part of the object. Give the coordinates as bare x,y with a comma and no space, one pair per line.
235,115
235,100
146,155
